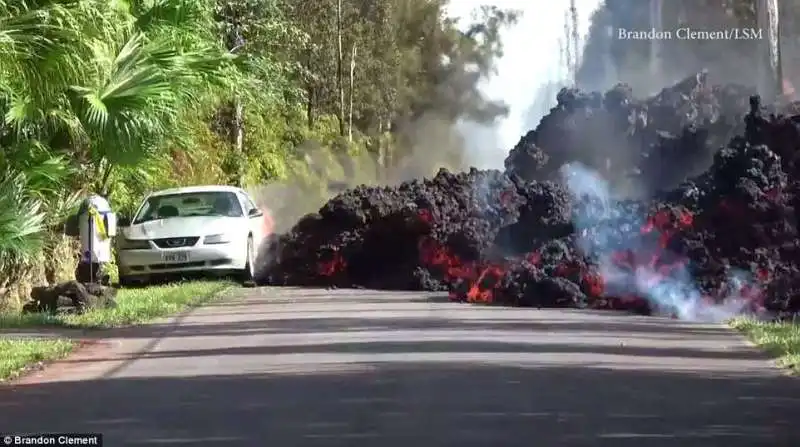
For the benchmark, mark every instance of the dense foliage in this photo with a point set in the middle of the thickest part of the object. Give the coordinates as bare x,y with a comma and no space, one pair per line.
121,97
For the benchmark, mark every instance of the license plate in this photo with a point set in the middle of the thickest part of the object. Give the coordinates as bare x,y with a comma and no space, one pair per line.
181,256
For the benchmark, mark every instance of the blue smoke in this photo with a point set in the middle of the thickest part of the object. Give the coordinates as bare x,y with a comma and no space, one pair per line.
600,217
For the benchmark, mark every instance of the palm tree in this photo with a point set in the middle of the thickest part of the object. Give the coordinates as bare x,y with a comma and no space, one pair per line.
87,87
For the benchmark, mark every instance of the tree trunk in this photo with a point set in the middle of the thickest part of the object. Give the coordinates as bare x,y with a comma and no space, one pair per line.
771,79
576,47
310,92
389,147
236,43
381,153
310,108
657,24
340,67
568,48
238,138
352,85
104,189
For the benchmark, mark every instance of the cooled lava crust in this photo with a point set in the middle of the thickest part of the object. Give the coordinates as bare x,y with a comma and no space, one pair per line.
703,182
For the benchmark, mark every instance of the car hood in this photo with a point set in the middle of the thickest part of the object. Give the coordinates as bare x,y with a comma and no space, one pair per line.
183,227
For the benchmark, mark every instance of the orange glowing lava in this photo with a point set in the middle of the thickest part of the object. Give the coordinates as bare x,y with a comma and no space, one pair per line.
268,223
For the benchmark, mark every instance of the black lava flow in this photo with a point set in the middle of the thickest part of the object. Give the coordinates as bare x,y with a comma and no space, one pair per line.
707,180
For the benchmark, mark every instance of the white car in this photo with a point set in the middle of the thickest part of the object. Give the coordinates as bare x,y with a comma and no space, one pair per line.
192,229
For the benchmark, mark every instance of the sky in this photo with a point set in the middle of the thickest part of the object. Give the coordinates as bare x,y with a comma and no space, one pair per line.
531,59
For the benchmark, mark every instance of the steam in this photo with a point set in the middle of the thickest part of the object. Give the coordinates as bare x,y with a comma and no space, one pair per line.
529,74
674,293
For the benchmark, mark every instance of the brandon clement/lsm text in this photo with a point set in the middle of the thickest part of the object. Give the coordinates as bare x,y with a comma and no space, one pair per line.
691,34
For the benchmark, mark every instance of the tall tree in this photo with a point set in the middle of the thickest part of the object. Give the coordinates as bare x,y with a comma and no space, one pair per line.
259,35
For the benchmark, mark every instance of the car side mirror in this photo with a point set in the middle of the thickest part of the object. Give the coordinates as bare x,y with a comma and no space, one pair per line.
123,221
255,212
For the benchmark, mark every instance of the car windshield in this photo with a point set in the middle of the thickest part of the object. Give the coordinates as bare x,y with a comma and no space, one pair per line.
211,203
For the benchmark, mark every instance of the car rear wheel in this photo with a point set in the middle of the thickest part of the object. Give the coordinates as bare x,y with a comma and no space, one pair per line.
249,271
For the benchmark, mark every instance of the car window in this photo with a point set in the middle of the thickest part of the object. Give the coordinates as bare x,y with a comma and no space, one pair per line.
212,203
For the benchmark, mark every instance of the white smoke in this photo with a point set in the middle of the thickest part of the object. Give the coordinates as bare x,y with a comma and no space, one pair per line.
530,61
675,293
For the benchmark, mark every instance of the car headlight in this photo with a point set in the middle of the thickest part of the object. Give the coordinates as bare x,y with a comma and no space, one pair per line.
133,244
217,239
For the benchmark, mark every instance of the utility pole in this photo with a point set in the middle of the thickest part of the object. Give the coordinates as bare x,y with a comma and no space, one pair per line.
769,51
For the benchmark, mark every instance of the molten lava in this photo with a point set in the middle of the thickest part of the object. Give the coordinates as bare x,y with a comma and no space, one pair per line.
723,239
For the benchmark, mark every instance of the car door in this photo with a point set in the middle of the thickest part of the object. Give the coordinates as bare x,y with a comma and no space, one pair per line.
255,217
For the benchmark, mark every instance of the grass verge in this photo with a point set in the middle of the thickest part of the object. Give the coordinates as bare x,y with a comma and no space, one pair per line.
17,354
134,306
780,339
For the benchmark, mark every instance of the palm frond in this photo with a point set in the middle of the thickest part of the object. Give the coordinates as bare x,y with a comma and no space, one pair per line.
155,15
60,207
21,220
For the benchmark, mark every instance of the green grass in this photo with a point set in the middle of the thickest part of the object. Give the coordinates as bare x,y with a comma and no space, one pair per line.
781,340
16,355
134,306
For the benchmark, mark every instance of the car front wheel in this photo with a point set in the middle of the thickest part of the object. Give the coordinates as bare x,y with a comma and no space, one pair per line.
249,272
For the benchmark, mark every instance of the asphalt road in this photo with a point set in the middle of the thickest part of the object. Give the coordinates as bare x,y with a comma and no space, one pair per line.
296,368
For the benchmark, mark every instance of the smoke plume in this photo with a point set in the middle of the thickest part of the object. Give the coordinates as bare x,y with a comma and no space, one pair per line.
667,286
